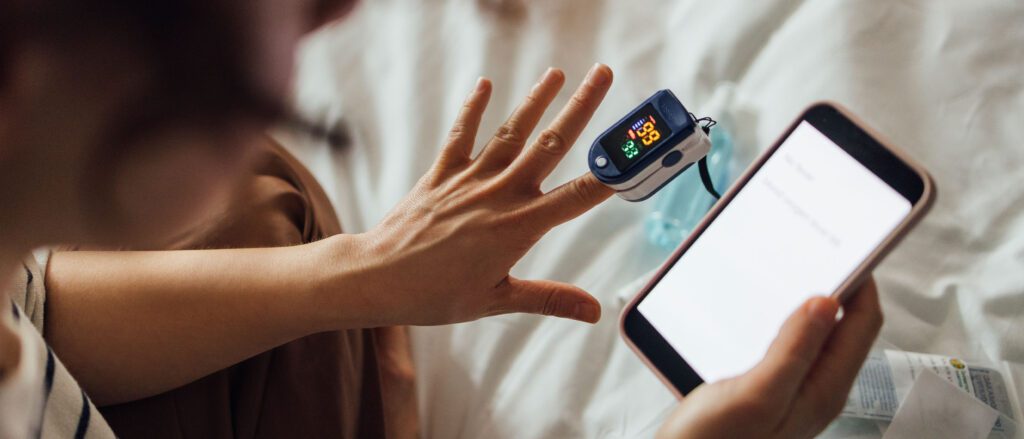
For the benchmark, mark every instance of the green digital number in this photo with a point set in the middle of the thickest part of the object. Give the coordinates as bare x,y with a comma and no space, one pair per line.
630,149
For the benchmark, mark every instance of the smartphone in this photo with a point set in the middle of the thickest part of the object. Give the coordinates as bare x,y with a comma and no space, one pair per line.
812,216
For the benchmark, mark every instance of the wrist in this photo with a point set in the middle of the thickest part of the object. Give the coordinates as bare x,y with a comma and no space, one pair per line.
344,294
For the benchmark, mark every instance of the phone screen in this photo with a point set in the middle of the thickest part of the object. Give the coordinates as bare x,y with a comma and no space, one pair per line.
799,227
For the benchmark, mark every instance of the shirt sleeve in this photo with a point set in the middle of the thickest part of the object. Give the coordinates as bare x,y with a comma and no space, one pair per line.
21,382
29,291
38,396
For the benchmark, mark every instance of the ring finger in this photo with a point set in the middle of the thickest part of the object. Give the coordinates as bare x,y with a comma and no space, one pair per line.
508,142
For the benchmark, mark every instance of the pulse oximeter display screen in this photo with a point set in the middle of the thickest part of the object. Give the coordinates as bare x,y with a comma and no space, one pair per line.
639,133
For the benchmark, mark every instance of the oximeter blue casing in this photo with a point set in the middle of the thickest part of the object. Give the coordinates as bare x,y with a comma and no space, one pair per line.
649,147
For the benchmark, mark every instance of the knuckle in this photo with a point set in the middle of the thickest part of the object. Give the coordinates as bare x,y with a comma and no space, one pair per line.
515,218
522,226
457,131
578,101
530,100
510,133
432,179
550,304
753,407
583,191
550,142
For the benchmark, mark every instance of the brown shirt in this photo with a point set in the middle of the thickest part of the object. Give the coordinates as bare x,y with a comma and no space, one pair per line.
322,385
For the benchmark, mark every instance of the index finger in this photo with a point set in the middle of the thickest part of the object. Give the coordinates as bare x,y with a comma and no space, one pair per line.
795,350
570,200
534,165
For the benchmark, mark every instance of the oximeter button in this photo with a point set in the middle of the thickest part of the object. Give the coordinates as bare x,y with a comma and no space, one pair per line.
601,162
671,159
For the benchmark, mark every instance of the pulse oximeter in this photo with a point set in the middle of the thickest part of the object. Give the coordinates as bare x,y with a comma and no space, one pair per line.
645,150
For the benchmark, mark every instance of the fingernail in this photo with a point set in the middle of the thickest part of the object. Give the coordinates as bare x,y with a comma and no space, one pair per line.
543,79
587,312
598,75
823,310
547,74
477,88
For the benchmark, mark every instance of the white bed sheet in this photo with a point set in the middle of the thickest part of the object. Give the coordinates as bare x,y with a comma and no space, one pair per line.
942,79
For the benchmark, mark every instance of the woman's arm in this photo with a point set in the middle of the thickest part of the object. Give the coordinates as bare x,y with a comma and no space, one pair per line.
133,324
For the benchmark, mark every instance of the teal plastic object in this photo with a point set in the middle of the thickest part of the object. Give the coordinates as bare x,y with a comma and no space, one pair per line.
680,205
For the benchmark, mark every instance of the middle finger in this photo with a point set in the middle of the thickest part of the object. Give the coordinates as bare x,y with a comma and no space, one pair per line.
534,165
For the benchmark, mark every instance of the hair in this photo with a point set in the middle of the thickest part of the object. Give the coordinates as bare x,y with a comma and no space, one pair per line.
197,47
6,43
197,51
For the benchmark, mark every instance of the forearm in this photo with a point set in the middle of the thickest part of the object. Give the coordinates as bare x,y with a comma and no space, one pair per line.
133,324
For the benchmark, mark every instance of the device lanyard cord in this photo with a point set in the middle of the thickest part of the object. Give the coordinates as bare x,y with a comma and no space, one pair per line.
702,164
705,177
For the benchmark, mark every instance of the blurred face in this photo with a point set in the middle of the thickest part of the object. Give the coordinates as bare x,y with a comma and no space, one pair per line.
126,133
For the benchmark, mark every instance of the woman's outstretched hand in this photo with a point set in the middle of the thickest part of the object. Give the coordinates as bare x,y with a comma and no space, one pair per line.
444,253
442,256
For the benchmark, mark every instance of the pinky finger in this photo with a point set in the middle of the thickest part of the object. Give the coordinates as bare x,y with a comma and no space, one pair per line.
456,152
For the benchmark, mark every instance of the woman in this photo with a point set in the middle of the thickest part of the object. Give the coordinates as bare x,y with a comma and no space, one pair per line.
138,125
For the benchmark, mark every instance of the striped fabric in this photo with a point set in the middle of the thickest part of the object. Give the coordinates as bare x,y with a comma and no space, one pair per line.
52,404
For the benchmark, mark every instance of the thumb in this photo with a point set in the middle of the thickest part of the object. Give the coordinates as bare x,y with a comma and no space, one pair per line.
549,298
796,348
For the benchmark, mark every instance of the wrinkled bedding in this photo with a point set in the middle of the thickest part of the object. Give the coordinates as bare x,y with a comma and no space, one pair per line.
944,80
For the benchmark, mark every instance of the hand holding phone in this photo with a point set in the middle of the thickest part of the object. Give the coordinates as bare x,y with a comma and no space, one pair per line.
799,386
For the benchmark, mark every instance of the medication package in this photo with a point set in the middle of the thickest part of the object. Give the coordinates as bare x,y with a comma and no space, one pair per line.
888,378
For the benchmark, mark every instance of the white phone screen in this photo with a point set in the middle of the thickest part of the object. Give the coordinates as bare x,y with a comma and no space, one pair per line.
802,224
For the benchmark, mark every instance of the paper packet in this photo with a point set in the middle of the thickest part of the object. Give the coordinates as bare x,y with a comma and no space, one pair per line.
887,376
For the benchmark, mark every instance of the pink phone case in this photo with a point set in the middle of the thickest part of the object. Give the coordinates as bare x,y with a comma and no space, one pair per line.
847,287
